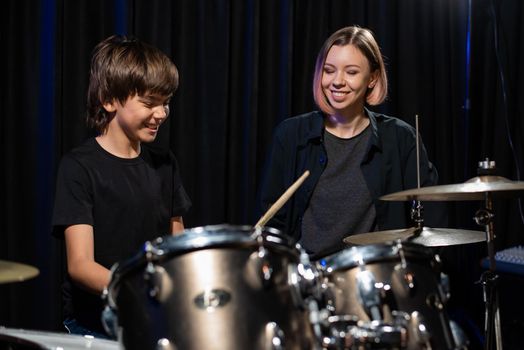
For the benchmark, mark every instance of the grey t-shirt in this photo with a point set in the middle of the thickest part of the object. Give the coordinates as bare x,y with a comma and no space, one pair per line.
341,204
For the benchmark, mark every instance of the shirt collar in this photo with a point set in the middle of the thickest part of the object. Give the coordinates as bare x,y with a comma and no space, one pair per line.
316,129
375,139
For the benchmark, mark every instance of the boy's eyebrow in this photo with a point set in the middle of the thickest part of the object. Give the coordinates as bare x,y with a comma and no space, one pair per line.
156,97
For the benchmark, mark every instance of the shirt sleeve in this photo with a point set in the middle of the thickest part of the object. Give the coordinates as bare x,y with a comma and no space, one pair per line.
73,197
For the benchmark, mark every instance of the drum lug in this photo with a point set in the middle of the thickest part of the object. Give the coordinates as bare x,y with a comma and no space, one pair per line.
433,300
422,333
305,281
110,322
444,287
158,282
339,327
407,277
265,268
369,294
165,344
273,337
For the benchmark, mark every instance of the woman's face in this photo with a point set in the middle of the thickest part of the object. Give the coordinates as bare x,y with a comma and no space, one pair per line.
346,78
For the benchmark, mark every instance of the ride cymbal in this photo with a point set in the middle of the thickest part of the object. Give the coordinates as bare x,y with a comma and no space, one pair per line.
429,237
473,189
16,272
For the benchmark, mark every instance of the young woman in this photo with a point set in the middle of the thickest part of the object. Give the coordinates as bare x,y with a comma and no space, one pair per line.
354,155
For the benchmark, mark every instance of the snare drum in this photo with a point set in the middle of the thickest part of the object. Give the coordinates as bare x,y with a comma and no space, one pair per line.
393,294
213,287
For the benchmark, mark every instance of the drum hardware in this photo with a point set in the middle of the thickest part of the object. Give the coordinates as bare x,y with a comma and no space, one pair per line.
264,266
405,278
337,327
157,280
378,335
239,289
402,269
109,318
486,186
16,272
385,296
368,294
165,344
274,336
433,300
211,299
460,338
306,280
422,334
444,289
348,332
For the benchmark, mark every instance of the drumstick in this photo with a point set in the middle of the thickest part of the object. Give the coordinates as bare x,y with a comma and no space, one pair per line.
282,200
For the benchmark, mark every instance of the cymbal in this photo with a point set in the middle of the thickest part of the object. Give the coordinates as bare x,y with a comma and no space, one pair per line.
16,272
473,189
429,237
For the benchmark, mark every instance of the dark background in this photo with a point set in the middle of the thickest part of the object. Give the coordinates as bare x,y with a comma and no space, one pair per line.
245,65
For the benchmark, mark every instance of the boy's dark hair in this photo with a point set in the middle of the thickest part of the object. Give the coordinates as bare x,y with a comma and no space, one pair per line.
122,67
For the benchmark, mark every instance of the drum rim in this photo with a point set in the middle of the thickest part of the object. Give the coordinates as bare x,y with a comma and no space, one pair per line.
41,339
198,238
366,254
209,236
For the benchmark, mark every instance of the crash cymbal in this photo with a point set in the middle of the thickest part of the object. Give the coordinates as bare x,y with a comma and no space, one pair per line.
16,272
429,237
473,189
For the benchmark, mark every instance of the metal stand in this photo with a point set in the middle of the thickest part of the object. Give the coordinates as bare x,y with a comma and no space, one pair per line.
492,327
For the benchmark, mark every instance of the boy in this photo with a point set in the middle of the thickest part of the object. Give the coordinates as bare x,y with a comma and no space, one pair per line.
113,192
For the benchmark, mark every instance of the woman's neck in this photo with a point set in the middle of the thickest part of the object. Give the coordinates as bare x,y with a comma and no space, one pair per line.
346,126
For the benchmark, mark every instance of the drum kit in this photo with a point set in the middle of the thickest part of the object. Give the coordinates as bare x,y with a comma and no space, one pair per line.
238,287
243,287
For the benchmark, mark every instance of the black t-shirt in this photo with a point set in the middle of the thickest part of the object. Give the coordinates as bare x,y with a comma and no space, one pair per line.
340,204
127,201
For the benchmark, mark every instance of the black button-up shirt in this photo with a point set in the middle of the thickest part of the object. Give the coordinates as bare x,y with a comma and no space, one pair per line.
389,166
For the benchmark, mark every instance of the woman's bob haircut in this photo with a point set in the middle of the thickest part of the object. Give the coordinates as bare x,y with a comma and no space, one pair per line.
364,40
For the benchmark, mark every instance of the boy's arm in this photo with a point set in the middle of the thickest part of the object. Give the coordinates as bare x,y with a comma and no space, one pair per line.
177,225
81,264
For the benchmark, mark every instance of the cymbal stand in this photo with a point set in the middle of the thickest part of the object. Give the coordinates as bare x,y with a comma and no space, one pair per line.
417,216
416,207
484,217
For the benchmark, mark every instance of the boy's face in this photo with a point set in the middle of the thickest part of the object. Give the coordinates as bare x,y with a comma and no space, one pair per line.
138,118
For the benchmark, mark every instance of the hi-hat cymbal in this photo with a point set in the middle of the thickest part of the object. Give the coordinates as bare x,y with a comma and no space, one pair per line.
16,272
429,237
473,189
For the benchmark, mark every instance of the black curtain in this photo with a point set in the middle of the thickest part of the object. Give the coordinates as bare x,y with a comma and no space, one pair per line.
245,66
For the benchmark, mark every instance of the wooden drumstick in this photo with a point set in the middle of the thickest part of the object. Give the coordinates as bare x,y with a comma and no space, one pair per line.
282,200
